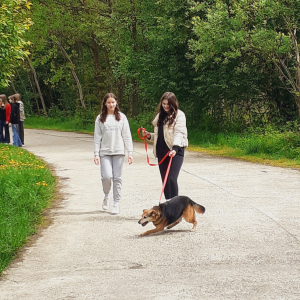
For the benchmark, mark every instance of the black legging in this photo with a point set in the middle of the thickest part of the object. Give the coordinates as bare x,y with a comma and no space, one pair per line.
171,188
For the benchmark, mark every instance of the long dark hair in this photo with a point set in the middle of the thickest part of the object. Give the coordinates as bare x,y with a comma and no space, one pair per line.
4,100
173,108
103,115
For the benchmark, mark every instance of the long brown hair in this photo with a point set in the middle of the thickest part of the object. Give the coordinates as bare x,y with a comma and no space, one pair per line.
13,98
173,108
4,100
104,111
17,97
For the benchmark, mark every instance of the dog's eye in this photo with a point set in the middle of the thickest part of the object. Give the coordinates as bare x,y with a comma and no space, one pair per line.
145,217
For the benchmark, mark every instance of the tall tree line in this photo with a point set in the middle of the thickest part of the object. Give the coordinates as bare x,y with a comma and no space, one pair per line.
232,64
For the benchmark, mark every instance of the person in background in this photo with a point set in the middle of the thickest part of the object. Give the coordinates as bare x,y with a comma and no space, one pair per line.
5,111
2,120
111,137
15,120
170,134
22,117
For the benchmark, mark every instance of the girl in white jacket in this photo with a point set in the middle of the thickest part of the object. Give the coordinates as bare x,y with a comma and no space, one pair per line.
111,137
170,134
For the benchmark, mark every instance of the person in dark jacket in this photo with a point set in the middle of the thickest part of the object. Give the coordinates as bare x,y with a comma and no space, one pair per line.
2,120
15,120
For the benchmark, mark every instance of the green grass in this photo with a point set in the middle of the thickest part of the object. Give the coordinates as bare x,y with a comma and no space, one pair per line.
60,124
26,189
271,146
278,148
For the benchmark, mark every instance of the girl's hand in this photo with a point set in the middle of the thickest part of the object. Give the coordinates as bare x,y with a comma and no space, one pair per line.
130,160
96,160
172,153
146,133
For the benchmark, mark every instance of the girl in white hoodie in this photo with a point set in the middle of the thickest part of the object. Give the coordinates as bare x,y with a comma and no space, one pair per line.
111,137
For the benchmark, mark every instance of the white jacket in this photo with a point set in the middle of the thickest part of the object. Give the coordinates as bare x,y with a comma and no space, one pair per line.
22,113
112,137
174,135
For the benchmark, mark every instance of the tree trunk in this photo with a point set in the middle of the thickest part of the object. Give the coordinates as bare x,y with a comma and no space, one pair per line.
109,79
73,72
297,100
34,94
23,84
96,57
38,86
120,89
13,86
134,103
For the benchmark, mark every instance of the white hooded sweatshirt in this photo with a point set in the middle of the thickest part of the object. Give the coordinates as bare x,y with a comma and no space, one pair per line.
112,137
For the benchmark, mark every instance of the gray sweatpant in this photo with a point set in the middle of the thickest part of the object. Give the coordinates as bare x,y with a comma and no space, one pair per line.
111,171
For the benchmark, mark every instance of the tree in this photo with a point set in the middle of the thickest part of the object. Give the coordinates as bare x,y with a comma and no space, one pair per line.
14,22
244,39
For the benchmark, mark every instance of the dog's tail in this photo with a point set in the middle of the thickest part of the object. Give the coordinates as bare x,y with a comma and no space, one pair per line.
199,208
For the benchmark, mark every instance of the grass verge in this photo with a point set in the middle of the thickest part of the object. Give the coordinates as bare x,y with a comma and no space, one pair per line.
272,147
26,189
60,124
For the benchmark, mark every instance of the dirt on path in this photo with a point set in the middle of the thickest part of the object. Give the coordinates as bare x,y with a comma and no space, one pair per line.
247,244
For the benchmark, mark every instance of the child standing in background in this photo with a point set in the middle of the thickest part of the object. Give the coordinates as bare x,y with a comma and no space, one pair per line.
2,120
22,117
15,120
5,110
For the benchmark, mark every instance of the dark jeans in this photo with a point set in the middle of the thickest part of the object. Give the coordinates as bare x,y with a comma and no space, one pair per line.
4,138
21,131
171,188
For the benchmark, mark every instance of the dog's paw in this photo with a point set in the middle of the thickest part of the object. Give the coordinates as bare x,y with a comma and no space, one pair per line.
193,229
142,234
169,227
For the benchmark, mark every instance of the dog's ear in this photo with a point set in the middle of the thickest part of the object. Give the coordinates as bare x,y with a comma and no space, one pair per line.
144,210
153,213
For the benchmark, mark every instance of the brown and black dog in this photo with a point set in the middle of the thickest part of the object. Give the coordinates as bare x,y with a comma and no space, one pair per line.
170,213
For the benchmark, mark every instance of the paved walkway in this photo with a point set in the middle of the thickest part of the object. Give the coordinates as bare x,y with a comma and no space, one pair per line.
247,244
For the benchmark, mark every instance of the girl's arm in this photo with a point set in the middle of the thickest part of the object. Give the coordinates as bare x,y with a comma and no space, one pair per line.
21,108
97,140
127,138
180,130
8,112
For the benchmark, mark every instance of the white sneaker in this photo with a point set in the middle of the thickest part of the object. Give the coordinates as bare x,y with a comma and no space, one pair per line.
105,204
115,209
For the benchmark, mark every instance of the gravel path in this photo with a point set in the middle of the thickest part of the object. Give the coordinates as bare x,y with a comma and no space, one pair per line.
247,244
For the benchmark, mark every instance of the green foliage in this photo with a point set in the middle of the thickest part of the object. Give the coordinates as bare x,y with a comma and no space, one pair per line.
244,48
14,22
232,64
26,188
61,123
268,142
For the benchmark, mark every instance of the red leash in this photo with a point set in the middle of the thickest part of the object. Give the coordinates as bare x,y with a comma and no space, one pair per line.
148,160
